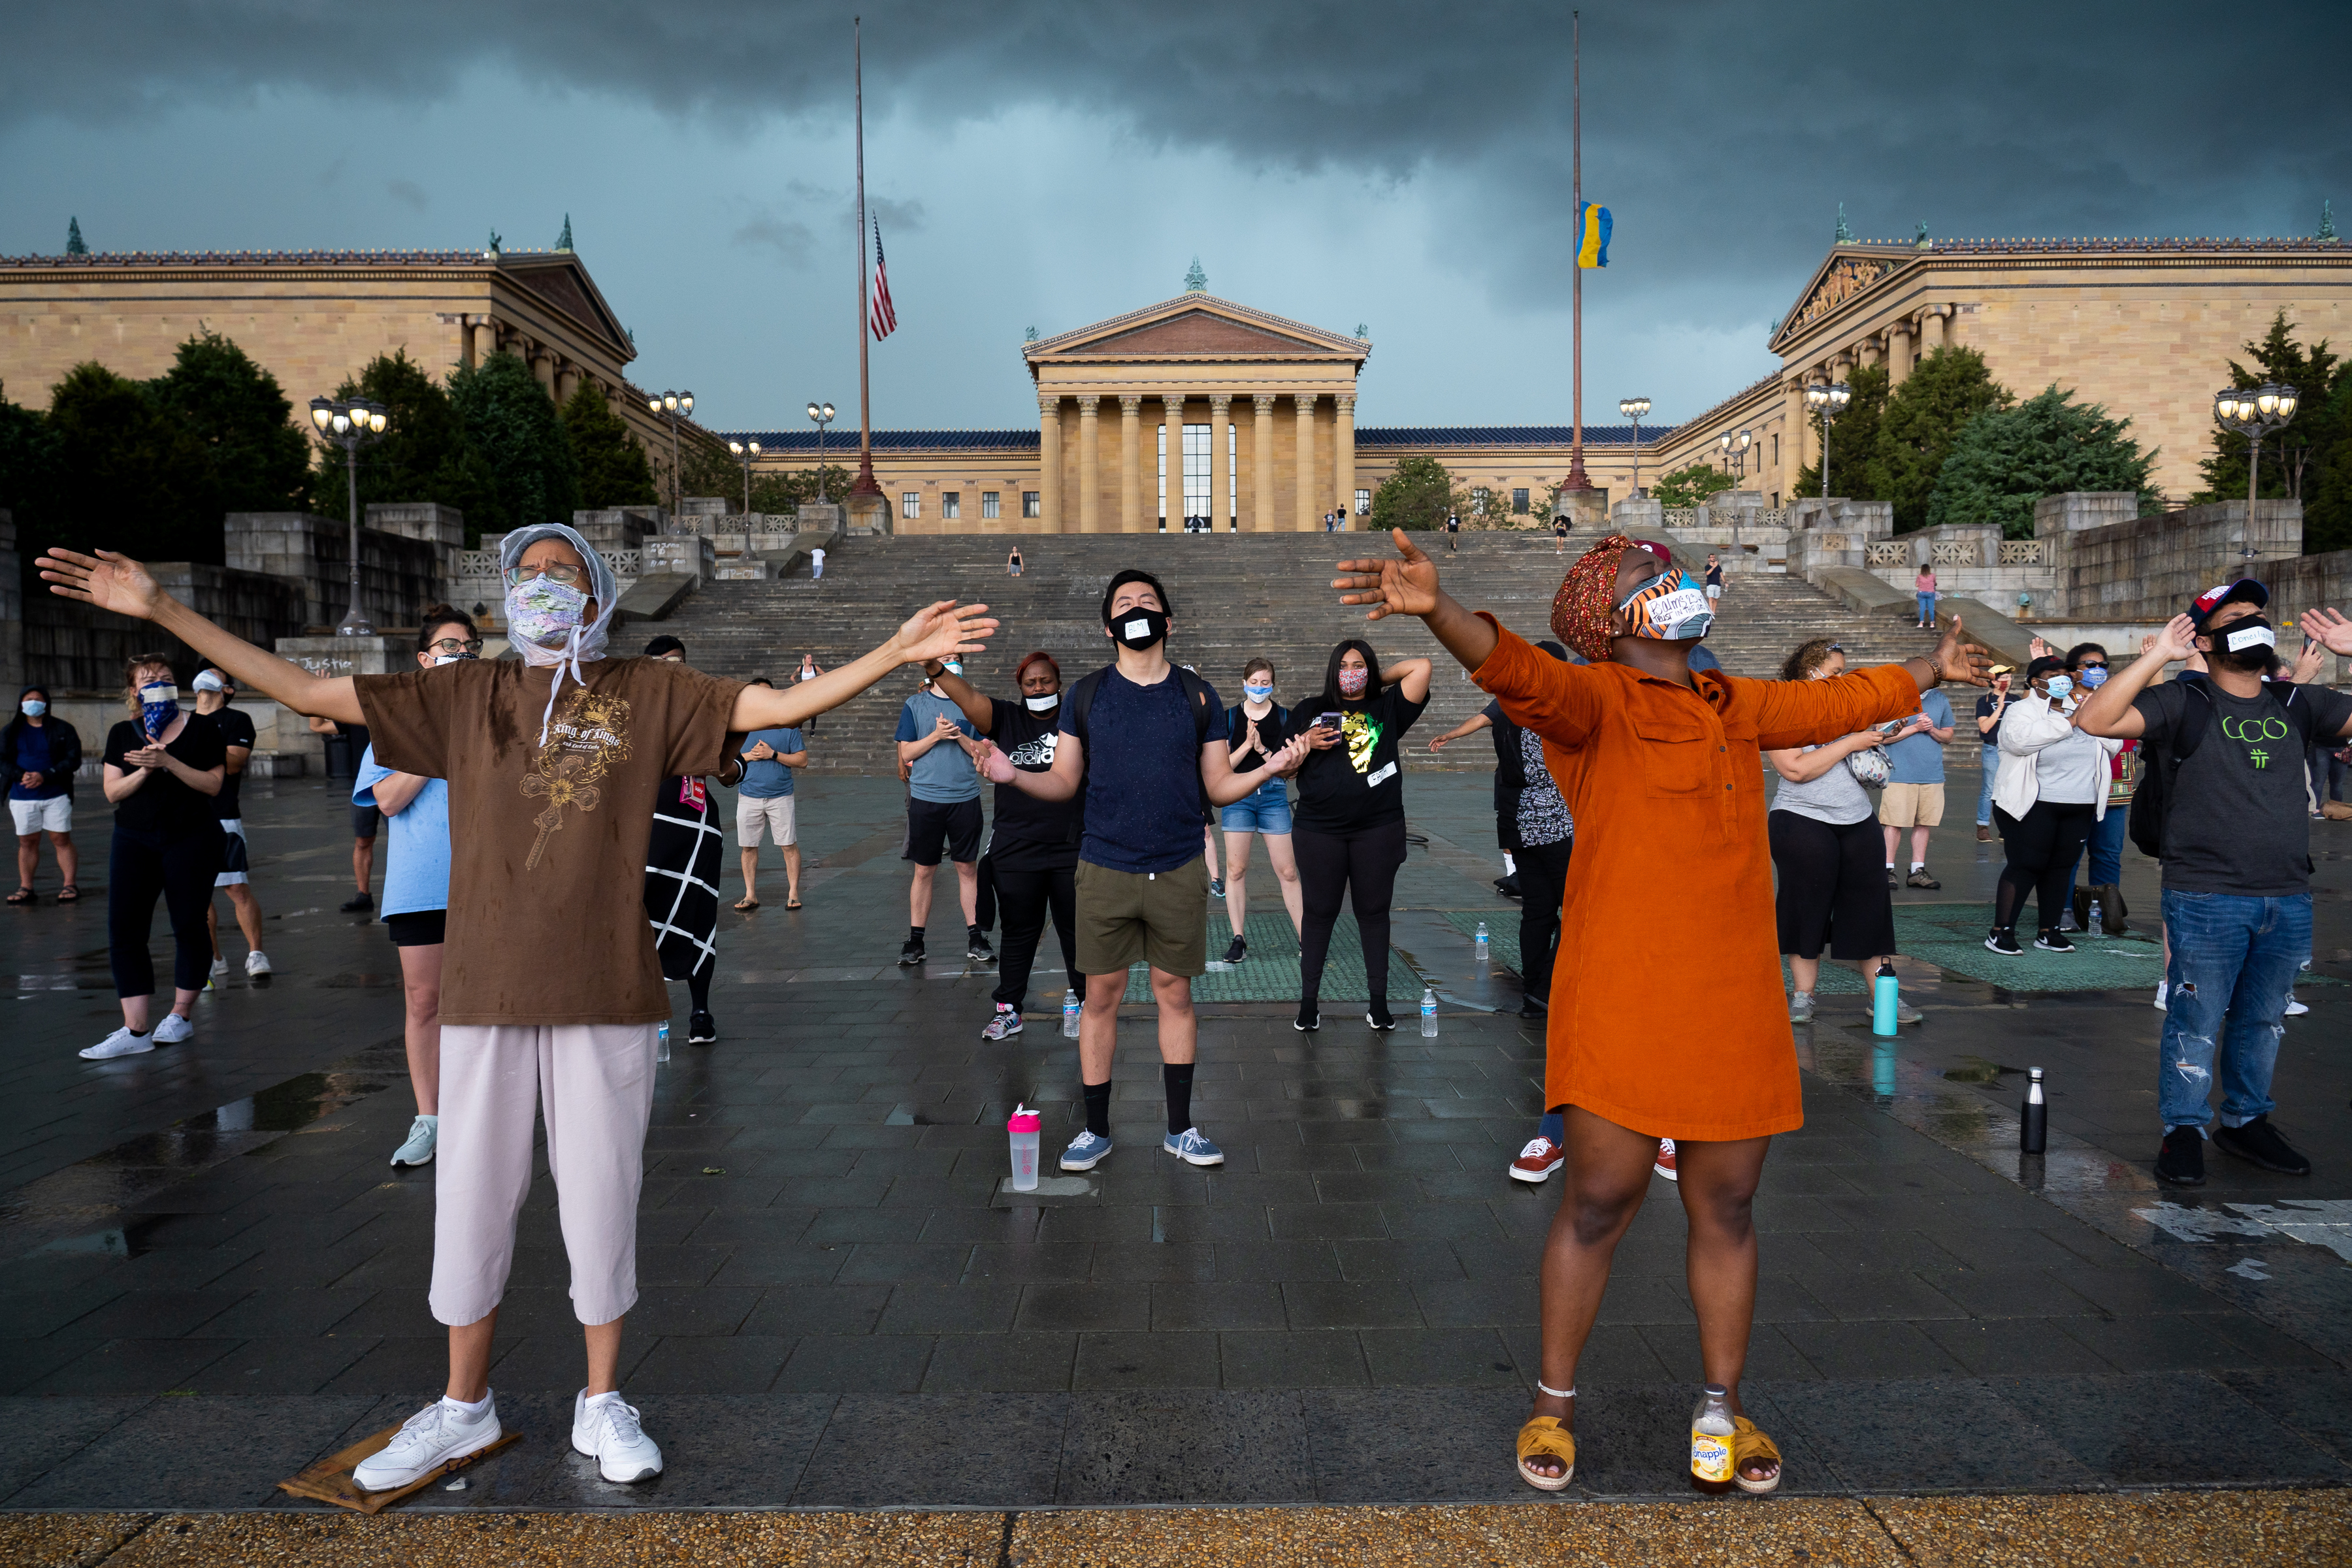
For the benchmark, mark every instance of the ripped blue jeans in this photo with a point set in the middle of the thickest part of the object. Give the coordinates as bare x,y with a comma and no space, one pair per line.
2233,960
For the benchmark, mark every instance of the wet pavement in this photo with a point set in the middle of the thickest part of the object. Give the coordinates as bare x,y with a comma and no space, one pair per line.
209,1276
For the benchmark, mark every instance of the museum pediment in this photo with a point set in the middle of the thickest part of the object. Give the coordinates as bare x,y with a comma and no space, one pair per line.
1844,275
1196,325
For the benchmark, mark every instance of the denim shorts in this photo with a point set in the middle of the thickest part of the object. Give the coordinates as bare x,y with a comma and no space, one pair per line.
1265,809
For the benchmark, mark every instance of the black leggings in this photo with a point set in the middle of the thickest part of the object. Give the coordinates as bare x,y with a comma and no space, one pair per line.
1543,883
141,868
1023,899
697,986
1363,865
2043,845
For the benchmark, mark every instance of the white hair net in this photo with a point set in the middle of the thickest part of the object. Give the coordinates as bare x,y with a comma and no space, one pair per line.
587,642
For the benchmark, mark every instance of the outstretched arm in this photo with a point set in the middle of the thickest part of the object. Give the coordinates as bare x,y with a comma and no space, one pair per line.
960,691
1470,726
1059,781
933,632
117,583
2109,709
1408,586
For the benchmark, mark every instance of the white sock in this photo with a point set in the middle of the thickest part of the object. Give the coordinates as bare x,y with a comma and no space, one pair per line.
1508,868
594,1400
473,1412
1918,865
1890,865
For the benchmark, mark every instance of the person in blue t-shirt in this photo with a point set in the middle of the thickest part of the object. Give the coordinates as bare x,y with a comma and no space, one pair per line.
943,813
1914,795
765,803
1146,740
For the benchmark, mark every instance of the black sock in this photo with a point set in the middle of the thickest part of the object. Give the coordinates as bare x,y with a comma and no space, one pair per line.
1178,1078
970,932
915,935
1097,1107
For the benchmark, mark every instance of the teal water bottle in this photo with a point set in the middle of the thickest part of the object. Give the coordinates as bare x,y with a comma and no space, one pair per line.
1883,992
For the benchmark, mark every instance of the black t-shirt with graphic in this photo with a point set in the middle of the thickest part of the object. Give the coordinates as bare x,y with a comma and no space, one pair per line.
163,804
1032,835
2239,821
1358,784
236,729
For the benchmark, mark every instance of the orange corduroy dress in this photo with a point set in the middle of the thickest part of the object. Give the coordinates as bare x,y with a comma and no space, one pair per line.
1667,1012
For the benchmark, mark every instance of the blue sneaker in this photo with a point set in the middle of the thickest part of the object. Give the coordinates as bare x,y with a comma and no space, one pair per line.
1192,1149
1085,1152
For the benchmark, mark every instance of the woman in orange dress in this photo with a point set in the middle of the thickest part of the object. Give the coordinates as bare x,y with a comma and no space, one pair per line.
1662,770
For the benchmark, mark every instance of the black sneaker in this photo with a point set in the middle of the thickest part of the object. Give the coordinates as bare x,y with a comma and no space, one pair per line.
702,1029
2259,1143
2054,942
1216,886
2181,1161
911,954
359,905
1234,953
976,947
1379,1018
2003,940
1508,885
1532,1007
1307,1021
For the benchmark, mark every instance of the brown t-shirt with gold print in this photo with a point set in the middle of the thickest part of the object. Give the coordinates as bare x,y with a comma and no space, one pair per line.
547,862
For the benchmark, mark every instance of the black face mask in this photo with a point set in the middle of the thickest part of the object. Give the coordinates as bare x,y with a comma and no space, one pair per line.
2254,656
1139,629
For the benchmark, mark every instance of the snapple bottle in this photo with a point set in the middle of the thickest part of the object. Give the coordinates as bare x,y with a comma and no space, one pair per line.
1711,1434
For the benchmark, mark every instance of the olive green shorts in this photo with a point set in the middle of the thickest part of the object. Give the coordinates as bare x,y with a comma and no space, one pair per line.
1158,918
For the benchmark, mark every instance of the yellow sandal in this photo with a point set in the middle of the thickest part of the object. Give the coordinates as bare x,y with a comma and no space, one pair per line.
1747,1445
1544,1435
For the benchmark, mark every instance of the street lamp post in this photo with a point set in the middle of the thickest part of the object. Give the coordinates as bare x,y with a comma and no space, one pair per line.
1828,402
822,414
746,451
2254,412
1734,446
1634,408
351,423
673,406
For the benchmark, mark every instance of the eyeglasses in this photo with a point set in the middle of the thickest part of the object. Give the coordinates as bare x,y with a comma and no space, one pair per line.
567,575
452,645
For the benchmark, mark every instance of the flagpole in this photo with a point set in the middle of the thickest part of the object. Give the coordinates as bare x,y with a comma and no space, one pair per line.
1576,475
864,485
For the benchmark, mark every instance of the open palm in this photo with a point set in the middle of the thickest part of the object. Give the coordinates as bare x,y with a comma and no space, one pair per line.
944,630
107,580
1404,587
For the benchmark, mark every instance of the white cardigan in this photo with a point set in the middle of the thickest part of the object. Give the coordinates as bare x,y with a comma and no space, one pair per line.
2031,723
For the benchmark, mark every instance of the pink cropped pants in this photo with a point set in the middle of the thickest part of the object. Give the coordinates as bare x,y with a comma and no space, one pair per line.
594,1085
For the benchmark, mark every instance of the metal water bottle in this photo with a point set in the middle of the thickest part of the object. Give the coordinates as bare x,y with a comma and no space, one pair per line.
1885,989
1429,1014
2034,1126
1070,1014
1483,947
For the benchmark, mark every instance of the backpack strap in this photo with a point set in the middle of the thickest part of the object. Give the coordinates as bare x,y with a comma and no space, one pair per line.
1196,698
1082,698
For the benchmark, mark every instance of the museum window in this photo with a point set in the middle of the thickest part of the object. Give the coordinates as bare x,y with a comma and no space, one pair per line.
1195,473
951,503
1363,503
911,503
988,504
1776,451
1519,502
1030,506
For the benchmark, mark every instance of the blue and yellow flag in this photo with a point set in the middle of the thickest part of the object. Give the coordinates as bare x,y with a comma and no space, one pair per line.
1592,237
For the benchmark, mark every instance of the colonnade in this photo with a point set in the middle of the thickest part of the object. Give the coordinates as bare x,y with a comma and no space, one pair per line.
1321,482
1899,345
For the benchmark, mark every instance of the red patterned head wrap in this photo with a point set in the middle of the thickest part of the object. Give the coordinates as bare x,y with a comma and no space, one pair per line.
1588,597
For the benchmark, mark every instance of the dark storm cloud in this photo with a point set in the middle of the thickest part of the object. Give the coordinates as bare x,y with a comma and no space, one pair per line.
1723,135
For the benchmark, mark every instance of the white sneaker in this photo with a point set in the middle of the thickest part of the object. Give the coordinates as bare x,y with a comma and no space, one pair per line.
605,1428
220,966
422,1133
430,1438
2296,1009
174,1028
2161,986
257,963
121,1043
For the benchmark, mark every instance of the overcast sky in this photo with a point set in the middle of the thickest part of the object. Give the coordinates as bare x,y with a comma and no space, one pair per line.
1405,167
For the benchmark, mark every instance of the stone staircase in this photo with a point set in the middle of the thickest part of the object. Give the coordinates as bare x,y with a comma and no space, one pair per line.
1236,596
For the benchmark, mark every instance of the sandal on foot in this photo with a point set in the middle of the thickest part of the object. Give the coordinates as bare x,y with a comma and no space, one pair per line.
1544,1437
1747,1446
68,895
791,903
746,903
24,896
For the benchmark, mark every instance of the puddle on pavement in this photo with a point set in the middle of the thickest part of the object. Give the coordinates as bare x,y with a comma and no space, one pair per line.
1977,1070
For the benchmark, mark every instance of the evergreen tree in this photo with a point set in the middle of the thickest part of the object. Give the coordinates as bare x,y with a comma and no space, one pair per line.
74,244
613,467
2327,490
126,473
1923,419
1418,495
2006,460
1691,485
512,425
1856,468
28,463
422,456
255,458
2297,452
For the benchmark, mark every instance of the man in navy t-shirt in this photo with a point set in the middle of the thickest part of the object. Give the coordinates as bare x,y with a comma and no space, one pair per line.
1145,740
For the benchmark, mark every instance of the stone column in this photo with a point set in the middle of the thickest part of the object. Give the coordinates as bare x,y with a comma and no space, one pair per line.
1935,328
543,369
486,339
1343,454
567,381
1898,354
1049,463
1131,463
1262,464
1221,469
1867,352
1172,514
1089,465
1801,435
1309,517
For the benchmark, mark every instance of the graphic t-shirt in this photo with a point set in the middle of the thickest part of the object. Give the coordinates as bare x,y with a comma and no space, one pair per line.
417,880
1919,758
163,804
236,729
1143,772
944,774
2239,822
1032,835
546,905
1359,783
767,779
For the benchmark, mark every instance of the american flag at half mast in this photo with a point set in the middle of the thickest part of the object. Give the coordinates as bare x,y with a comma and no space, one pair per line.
880,316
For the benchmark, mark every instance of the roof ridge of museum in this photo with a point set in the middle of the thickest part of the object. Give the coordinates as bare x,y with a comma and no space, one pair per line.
797,441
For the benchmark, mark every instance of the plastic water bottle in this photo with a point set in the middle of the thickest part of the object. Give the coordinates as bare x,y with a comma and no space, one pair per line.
1428,1013
661,1042
1482,945
2034,1126
2098,925
1023,1129
1884,991
1070,1014
1711,1434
